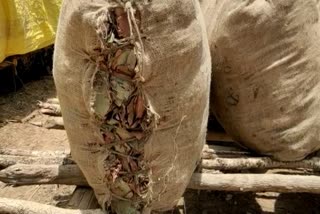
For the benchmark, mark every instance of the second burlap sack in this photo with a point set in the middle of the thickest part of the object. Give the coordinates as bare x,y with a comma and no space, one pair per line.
266,73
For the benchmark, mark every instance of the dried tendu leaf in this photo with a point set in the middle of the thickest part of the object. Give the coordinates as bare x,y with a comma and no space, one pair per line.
123,27
123,110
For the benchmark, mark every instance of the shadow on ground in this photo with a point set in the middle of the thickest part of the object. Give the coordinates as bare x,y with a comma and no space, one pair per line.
206,202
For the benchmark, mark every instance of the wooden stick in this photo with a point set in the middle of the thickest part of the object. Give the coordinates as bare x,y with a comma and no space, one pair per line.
258,163
23,174
14,206
255,183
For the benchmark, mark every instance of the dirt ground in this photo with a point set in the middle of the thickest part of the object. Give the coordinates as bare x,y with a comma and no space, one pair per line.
16,107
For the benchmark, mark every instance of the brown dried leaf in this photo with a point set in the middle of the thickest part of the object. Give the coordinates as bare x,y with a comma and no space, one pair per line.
133,187
123,133
138,135
129,195
118,53
122,76
133,165
135,124
116,59
132,60
123,114
103,66
130,112
127,145
130,118
123,27
108,137
124,62
123,69
120,58
120,148
137,150
139,106
125,164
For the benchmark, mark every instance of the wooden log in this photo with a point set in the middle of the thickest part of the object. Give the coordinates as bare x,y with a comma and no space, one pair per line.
83,198
258,163
50,108
71,175
53,101
50,123
213,157
9,160
256,183
31,153
14,206
23,174
54,123
50,112
213,151
218,136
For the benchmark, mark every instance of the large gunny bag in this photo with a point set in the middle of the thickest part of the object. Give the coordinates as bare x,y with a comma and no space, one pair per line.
133,82
266,73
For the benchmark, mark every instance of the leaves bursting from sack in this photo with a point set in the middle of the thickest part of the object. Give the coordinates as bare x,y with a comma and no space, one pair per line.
121,107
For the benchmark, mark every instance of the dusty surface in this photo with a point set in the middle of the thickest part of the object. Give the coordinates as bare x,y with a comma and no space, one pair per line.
22,106
18,106
15,107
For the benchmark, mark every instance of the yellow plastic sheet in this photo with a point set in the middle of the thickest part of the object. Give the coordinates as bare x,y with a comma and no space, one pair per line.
27,25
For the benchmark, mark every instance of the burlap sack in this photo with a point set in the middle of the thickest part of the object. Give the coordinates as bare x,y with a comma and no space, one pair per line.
172,77
265,88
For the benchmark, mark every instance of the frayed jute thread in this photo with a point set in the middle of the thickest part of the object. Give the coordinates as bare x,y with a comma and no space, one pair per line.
174,159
